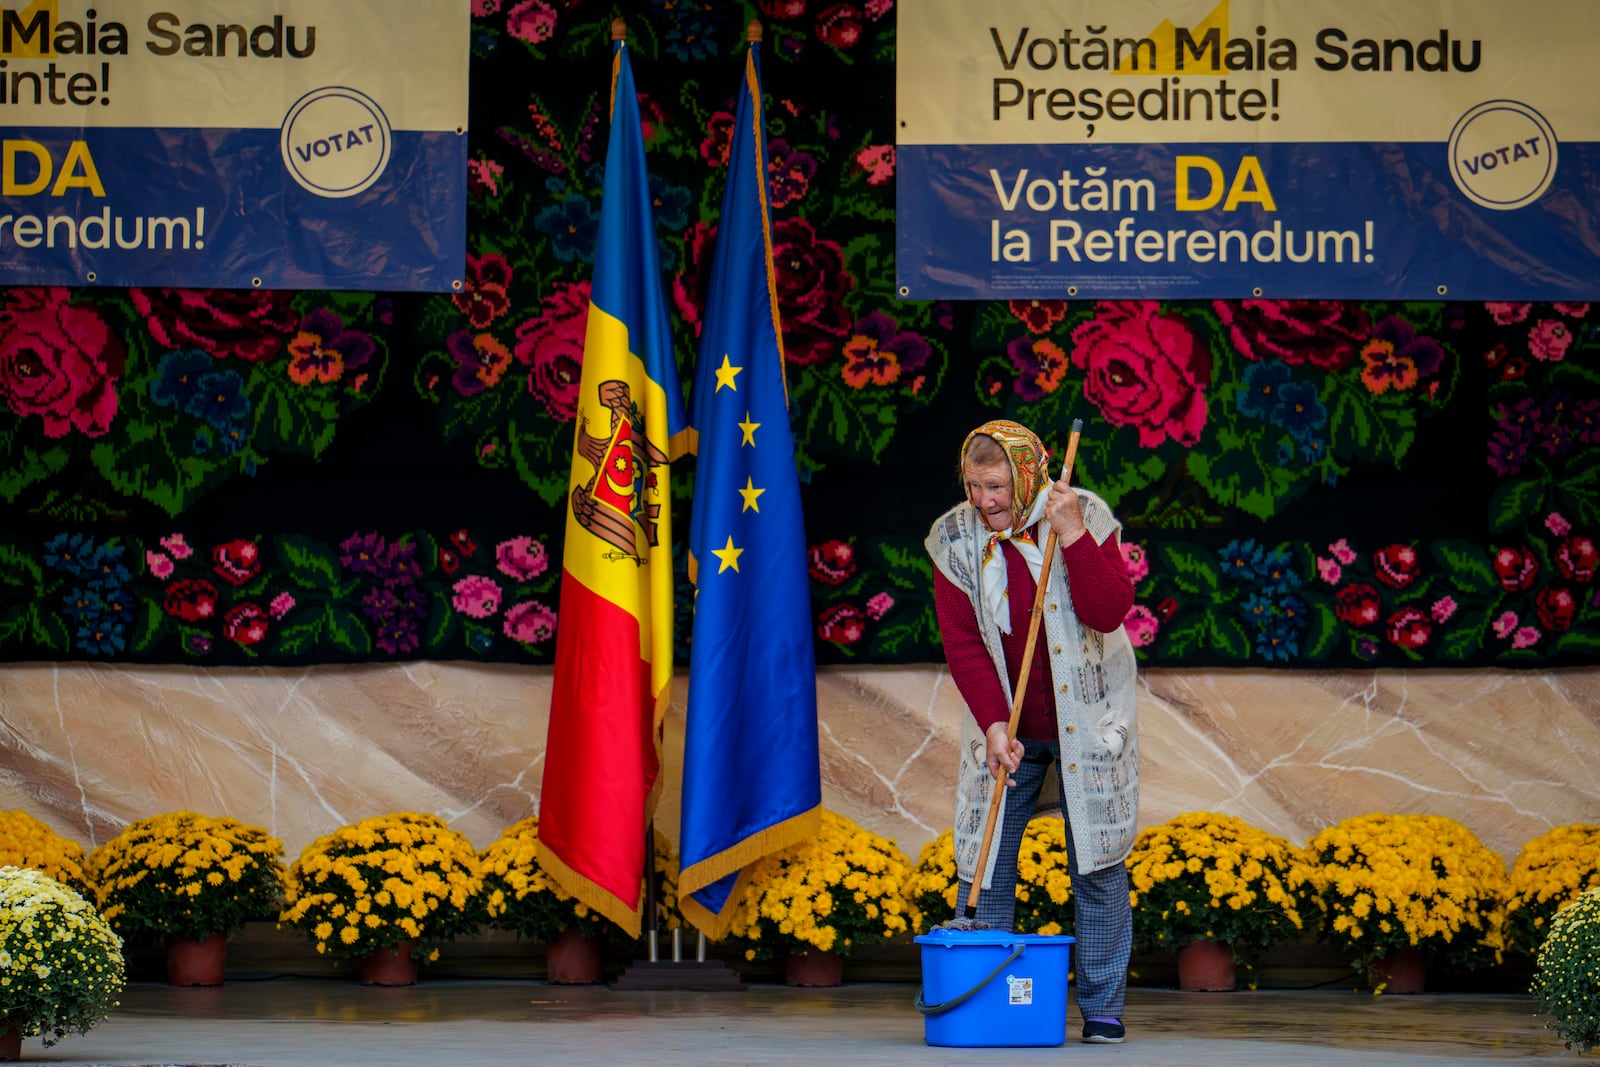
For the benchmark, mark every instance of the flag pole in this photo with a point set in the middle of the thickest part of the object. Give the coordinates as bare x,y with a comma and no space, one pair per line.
619,35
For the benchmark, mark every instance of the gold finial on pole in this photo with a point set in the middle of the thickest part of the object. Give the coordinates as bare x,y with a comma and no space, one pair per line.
619,30
752,33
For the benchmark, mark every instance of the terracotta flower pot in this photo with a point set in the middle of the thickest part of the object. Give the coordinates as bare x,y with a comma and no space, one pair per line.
10,1045
573,959
1206,967
201,961
1405,970
390,966
813,968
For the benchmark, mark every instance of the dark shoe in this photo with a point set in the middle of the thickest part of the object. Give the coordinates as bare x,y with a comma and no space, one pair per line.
1103,1032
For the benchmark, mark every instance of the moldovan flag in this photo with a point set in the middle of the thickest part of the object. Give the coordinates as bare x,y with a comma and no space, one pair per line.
613,667
751,778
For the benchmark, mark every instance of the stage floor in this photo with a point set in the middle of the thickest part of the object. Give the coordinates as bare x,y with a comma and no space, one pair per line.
292,1022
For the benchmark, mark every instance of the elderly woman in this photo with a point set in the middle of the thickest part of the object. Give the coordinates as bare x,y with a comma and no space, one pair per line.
1078,704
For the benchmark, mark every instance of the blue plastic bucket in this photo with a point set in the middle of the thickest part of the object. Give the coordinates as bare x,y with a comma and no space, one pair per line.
992,989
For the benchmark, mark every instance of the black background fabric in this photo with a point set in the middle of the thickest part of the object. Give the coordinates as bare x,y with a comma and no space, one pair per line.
1232,579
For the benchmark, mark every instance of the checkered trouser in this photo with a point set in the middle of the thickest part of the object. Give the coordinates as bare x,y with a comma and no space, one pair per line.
1102,916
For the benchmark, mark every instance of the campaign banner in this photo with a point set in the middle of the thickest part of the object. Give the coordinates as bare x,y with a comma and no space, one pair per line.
1364,149
275,144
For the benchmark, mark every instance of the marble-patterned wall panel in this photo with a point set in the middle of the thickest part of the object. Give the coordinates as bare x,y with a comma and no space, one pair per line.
89,747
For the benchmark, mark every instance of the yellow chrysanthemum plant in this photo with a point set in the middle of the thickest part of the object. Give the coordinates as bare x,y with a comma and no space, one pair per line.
183,874
401,877
1206,876
61,964
841,889
1044,889
931,887
1567,978
1387,882
27,842
1550,871
520,897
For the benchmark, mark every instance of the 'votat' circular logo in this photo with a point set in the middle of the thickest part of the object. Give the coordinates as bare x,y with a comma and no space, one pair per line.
336,141
1502,155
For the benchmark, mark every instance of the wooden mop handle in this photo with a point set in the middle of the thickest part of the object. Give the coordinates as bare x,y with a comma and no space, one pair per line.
1034,615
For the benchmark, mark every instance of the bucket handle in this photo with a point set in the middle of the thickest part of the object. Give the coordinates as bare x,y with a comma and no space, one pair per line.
956,1002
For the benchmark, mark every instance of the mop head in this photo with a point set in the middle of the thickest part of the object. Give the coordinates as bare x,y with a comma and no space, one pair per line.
962,923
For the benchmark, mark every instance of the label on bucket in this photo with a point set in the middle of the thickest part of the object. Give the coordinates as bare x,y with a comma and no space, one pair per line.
1021,989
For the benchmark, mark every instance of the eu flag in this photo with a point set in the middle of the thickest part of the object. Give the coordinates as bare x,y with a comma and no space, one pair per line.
751,778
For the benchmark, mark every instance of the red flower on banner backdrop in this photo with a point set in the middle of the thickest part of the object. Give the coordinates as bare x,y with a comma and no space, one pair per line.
245,624
718,141
192,600
812,284
842,624
1039,316
1357,604
249,324
1576,558
840,26
236,561
1144,369
485,297
689,284
832,562
1555,608
1396,565
1516,568
551,345
59,363
1409,628
1323,333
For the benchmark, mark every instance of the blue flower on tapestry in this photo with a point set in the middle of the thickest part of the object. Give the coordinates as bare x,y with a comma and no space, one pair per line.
1272,395
1300,411
72,553
116,609
691,34
99,639
77,554
1271,571
671,204
1243,560
1277,625
219,399
573,228
1259,397
177,380
99,608
230,439
108,571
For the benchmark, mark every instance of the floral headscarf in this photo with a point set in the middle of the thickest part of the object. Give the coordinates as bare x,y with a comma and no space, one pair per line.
1030,477
1029,464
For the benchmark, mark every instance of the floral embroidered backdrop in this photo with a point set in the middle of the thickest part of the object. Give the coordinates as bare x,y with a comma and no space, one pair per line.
236,477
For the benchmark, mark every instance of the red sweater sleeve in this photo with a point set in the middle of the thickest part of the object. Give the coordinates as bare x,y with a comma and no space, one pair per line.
970,666
1102,592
